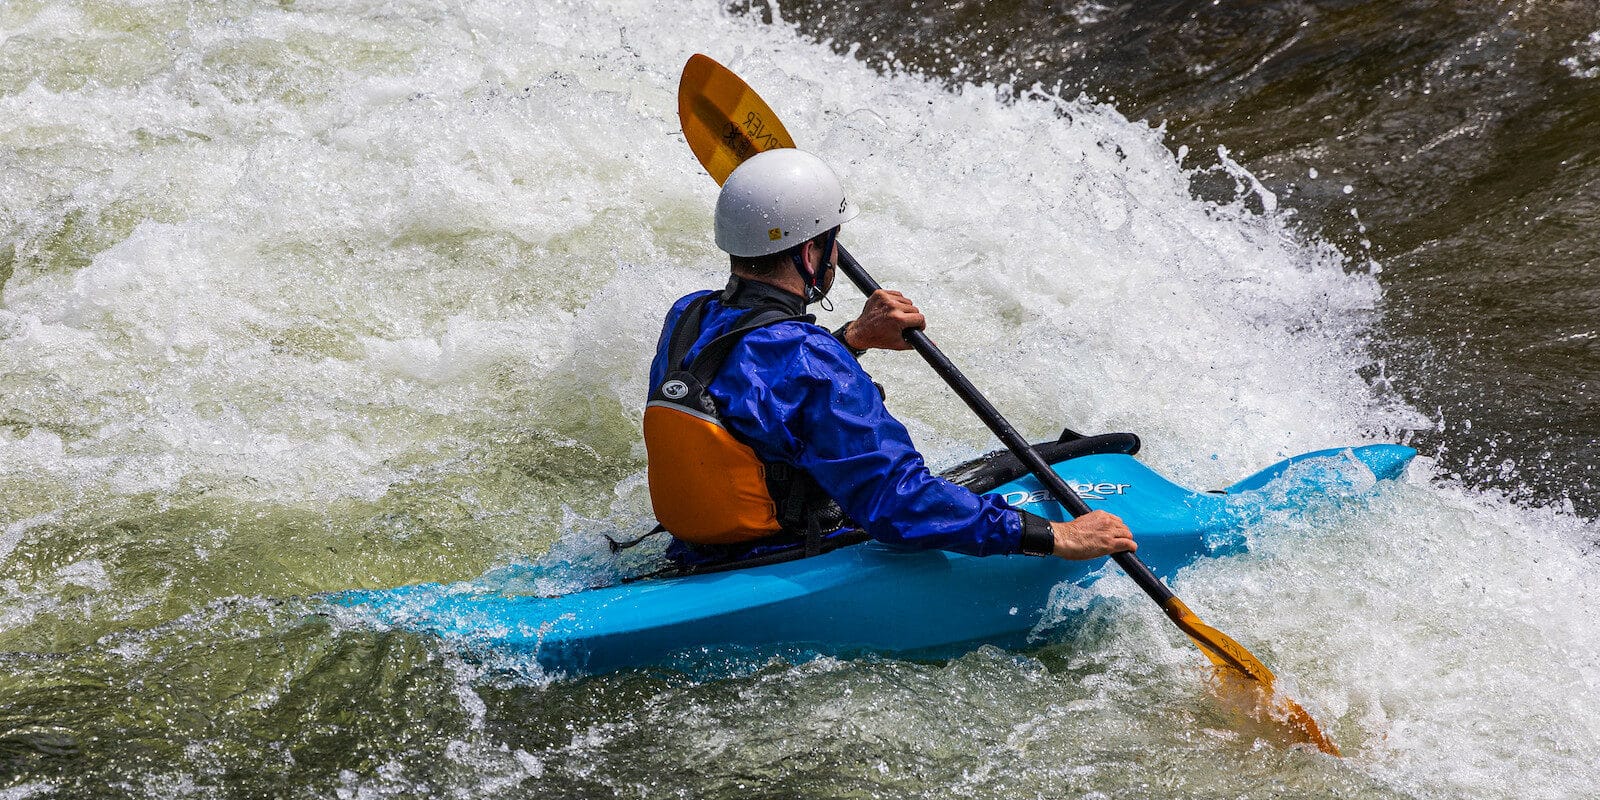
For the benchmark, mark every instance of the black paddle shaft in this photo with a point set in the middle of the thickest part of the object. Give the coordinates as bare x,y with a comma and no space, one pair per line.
1008,435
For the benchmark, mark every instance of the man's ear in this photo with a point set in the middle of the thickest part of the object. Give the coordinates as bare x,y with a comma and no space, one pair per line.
814,248
805,254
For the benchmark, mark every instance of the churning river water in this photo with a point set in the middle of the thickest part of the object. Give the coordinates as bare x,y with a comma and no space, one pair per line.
319,294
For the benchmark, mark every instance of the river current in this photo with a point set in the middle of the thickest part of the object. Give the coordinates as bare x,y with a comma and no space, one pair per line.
304,296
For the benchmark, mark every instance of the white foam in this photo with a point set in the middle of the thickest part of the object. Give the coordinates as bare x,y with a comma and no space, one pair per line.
1586,62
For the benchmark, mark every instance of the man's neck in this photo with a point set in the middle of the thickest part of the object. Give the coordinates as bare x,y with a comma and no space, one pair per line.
745,291
785,279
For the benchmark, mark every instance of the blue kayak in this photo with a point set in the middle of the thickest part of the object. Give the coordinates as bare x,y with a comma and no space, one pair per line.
869,597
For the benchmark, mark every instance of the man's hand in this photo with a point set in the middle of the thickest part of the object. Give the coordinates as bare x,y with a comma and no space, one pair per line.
1092,535
886,314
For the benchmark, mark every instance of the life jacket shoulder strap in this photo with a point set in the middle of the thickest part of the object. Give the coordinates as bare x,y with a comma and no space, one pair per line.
686,330
709,360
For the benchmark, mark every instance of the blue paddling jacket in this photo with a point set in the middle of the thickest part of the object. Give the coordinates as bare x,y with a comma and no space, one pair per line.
796,395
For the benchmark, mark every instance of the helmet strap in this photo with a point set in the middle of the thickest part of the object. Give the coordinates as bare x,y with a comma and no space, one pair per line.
813,278
808,278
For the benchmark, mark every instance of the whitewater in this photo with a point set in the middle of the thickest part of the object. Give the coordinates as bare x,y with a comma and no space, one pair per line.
308,296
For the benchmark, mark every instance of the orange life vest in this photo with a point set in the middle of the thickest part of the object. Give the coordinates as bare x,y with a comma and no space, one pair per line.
707,487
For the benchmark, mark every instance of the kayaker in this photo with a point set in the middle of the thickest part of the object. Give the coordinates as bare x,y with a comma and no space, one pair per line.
762,429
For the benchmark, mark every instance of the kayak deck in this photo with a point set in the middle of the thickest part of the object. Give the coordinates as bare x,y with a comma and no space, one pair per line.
869,597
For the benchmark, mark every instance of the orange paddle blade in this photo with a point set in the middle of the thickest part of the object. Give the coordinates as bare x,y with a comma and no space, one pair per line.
1244,676
723,119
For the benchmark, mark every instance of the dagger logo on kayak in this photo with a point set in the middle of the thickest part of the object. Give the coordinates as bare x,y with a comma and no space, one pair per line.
1087,491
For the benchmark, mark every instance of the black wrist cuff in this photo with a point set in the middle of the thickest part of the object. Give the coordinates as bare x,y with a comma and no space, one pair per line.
839,334
1038,538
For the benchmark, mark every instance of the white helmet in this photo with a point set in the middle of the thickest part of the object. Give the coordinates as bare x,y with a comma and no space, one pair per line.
776,200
